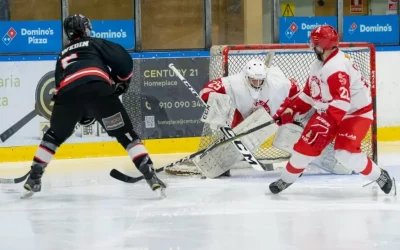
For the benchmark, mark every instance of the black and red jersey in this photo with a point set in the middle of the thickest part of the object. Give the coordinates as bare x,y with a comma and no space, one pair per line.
91,59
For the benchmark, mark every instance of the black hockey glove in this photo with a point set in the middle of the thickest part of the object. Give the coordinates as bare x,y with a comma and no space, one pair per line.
121,87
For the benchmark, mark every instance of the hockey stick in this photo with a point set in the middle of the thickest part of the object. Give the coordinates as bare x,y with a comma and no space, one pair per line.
43,106
15,180
222,141
241,148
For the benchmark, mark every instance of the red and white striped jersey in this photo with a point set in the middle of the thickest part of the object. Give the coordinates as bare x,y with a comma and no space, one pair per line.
247,99
337,87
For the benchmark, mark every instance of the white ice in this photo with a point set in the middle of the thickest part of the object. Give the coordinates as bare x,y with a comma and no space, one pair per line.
82,208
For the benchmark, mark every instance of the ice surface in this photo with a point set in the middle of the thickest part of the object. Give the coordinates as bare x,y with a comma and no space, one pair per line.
82,208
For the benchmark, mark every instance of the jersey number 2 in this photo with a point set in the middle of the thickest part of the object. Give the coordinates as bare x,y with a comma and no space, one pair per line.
65,62
344,93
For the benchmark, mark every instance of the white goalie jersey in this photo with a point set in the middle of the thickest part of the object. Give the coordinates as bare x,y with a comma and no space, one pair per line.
246,99
254,102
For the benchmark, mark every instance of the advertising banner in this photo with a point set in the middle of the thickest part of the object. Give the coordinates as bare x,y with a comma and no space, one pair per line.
382,29
118,31
298,29
26,89
159,104
168,108
30,36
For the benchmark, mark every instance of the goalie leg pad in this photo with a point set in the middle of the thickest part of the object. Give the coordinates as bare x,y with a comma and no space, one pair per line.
225,157
254,140
328,162
286,136
218,161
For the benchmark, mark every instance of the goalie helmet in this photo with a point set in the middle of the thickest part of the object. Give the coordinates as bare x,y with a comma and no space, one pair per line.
77,26
255,73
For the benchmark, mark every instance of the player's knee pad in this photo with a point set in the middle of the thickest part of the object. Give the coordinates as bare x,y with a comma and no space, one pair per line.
353,161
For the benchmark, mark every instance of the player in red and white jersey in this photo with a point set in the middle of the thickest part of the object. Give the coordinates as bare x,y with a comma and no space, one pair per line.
342,97
267,87
255,86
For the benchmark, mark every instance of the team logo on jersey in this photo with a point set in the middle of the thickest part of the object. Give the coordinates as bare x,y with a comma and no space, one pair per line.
352,28
9,36
315,88
291,30
261,104
342,79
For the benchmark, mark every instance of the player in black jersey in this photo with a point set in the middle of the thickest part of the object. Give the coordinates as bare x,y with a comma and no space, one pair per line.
90,75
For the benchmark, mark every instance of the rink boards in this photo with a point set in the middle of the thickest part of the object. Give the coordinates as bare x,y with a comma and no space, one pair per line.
18,87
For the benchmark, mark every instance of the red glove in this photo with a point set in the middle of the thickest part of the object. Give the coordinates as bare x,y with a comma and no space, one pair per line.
285,114
320,131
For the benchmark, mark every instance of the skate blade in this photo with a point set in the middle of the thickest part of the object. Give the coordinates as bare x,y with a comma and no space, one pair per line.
161,192
394,186
27,194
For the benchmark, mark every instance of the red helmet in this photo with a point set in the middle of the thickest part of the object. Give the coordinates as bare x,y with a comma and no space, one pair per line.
325,37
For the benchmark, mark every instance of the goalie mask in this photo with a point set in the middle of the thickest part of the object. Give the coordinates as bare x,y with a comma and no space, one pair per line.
255,73
323,38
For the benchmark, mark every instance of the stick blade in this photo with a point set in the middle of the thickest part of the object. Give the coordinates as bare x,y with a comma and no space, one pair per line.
15,180
123,177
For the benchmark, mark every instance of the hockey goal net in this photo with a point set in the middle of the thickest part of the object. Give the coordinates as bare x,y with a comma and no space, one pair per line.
295,61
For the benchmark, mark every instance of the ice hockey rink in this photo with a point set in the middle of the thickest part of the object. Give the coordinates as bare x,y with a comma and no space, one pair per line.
82,208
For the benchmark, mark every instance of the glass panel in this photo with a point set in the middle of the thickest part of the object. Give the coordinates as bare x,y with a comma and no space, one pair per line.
227,22
172,24
22,10
111,20
267,21
103,10
324,7
379,7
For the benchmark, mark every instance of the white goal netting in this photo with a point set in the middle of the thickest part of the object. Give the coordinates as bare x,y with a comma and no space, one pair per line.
294,60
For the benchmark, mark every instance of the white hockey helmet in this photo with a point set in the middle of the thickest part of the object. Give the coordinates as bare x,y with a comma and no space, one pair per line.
255,73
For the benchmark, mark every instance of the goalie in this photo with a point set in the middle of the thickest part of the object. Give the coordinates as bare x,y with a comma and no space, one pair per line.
255,94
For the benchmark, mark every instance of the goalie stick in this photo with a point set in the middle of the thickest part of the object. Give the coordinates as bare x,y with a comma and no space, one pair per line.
222,141
241,148
15,180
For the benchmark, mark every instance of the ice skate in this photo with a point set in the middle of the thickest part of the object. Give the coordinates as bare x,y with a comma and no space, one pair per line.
32,186
34,182
278,186
157,185
387,184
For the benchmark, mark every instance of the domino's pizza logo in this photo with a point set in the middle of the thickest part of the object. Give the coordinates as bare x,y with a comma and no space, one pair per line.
9,36
291,30
352,28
